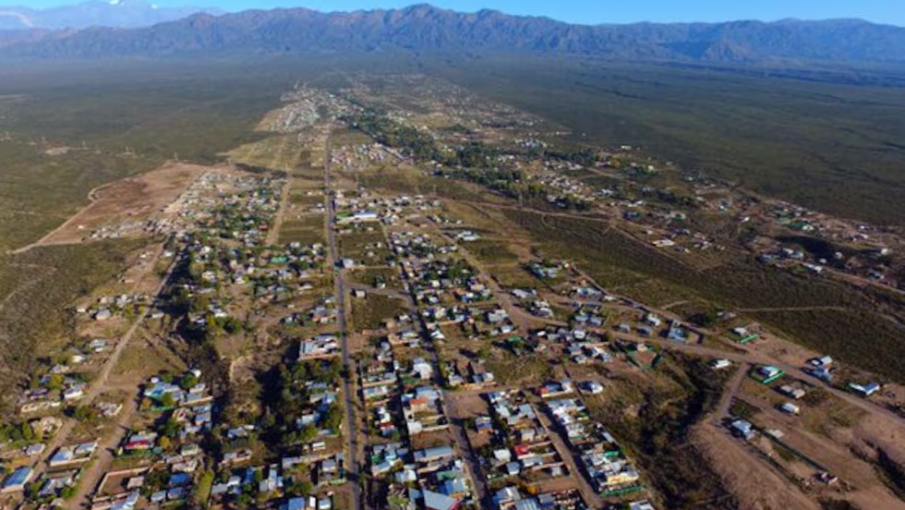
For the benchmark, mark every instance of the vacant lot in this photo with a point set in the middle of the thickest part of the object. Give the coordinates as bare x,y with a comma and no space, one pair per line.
371,313
134,199
306,230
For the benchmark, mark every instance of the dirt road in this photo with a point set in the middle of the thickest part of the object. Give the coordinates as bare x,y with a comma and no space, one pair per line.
565,453
273,236
99,385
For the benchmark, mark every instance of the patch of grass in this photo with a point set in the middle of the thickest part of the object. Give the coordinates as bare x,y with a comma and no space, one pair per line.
358,245
655,293
372,275
515,276
741,409
349,138
371,313
524,369
411,181
309,230
31,323
301,198
867,340
491,252
143,360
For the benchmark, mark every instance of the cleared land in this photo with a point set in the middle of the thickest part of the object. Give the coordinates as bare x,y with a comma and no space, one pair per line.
134,199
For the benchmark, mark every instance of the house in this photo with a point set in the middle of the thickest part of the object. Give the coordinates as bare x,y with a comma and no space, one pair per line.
17,481
641,505
823,374
555,389
529,504
455,487
742,428
434,454
653,320
796,393
436,501
678,332
506,495
422,369
35,449
127,503
719,364
74,392
865,390
322,346
407,475
237,457
271,482
294,504
513,468
790,408
592,387
768,373
822,362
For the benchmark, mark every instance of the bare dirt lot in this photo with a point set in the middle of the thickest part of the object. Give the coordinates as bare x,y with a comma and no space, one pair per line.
756,486
133,199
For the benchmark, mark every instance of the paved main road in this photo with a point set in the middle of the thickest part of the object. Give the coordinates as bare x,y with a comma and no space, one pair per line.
352,469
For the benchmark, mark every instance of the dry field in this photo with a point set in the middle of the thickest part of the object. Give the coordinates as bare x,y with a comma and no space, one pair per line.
133,199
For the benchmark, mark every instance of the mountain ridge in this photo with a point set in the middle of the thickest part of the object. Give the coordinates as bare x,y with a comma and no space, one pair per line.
113,13
423,27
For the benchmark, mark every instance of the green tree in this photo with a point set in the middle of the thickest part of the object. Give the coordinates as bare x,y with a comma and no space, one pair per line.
170,428
188,381
302,488
167,400
203,488
55,382
333,417
307,434
85,413
28,433
68,492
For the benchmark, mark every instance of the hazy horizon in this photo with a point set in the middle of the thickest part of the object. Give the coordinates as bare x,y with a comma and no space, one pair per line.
588,12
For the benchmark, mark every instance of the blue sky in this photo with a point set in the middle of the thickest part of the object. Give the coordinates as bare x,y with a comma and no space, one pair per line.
598,11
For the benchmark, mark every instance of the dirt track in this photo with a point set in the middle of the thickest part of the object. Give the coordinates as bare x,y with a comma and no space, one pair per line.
132,199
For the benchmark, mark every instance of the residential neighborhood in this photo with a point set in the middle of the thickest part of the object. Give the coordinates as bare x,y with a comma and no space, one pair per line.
331,335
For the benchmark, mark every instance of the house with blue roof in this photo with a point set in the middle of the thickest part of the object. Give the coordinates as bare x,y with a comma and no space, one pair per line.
17,480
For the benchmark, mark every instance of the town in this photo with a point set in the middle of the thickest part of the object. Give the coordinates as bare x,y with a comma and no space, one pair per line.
355,317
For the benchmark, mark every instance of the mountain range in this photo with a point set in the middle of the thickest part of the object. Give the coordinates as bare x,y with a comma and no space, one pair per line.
115,13
427,28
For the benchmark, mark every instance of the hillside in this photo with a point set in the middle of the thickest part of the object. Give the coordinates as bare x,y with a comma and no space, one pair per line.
426,28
